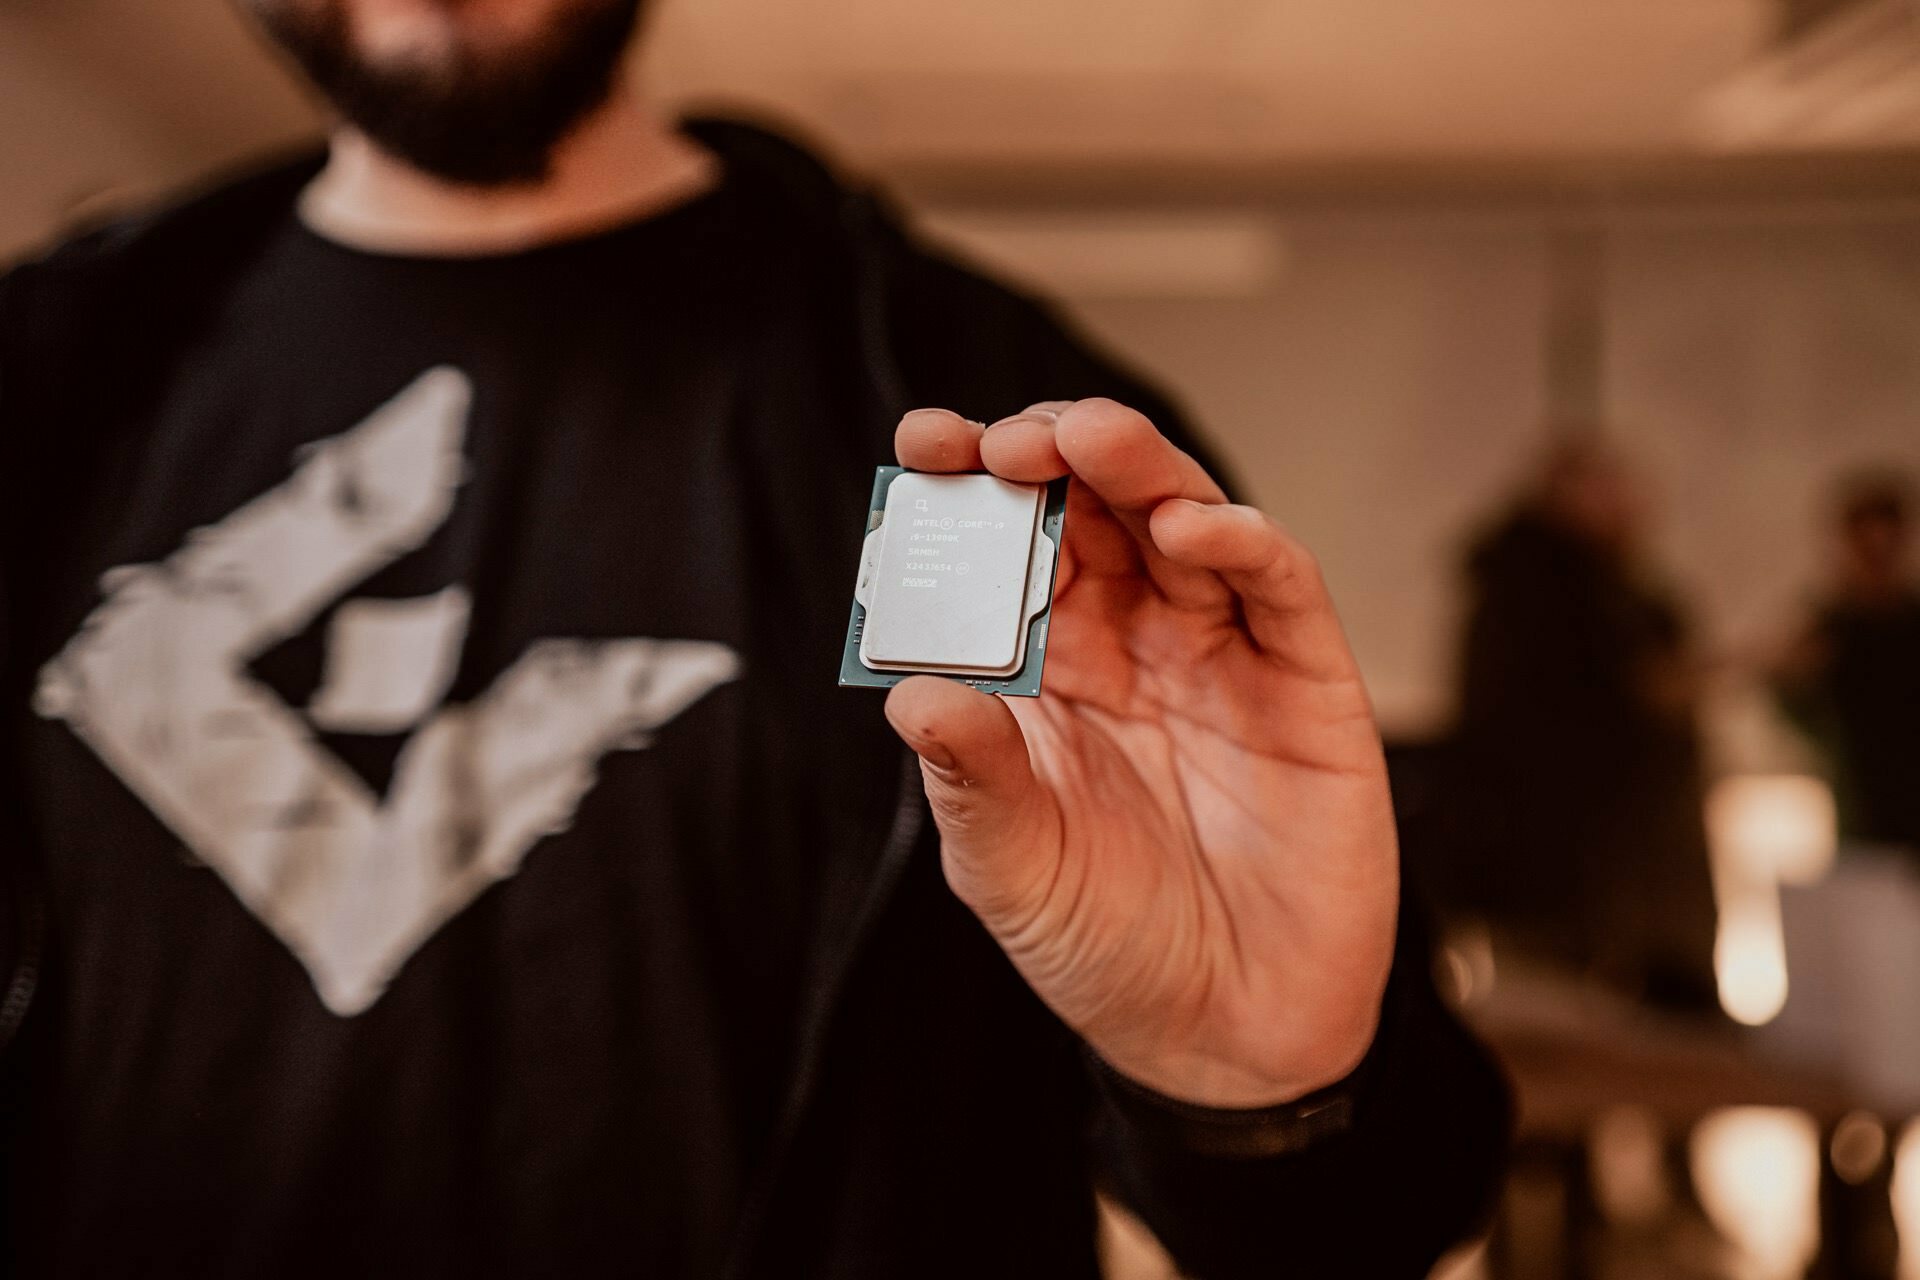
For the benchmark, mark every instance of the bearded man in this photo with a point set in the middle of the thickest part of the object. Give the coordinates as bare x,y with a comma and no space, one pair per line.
437,845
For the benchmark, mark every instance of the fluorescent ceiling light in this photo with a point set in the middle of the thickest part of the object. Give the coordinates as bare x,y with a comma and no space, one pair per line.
1122,254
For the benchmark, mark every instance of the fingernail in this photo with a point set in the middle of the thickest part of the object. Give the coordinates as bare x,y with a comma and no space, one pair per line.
1036,416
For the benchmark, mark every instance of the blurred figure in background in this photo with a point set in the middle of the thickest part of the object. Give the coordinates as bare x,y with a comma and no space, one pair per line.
1851,679
1575,821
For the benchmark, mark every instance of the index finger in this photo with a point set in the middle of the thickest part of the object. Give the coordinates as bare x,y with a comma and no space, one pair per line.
1122,457
937,440
1283,596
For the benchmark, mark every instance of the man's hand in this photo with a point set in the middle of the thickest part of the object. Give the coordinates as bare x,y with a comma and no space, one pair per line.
1185,844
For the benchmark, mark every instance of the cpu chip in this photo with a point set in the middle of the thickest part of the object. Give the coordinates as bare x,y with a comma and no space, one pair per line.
956,579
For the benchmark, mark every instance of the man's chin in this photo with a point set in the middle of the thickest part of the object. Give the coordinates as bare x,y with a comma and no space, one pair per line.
416,38
429,33
423,83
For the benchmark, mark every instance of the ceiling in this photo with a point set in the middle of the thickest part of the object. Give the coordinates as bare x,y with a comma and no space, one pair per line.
1256,79
110,96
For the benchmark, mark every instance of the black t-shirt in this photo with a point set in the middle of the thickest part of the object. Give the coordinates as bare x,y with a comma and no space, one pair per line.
445,765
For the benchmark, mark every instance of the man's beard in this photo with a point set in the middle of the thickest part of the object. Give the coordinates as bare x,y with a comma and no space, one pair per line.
476,116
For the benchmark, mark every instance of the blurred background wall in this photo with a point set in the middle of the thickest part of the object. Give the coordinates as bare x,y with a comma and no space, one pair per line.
1378,248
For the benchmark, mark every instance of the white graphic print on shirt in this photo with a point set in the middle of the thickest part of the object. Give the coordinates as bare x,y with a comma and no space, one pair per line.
156,683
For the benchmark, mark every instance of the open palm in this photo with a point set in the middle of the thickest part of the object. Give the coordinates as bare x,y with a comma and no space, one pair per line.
1185,844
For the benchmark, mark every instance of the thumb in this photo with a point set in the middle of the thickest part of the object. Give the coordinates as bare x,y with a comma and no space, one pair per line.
998,827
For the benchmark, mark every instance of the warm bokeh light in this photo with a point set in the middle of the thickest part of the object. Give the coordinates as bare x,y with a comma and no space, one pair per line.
1757,1171
1627,1150
1859,1146
1466,966
1779,827
1763,831
1750,956
1906,1199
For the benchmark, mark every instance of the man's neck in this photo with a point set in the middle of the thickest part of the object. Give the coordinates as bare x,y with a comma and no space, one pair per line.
624,163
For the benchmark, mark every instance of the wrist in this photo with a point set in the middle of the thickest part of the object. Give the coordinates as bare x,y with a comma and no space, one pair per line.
1202,1080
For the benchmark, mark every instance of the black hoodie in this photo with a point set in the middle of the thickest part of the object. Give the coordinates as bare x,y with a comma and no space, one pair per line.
689,999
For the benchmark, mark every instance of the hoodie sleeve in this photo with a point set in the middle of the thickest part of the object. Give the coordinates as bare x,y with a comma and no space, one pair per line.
21,906
12,931
1386,1171
1409,1170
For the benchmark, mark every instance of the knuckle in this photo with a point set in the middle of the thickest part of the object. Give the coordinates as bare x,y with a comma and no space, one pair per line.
951,806
1301,562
